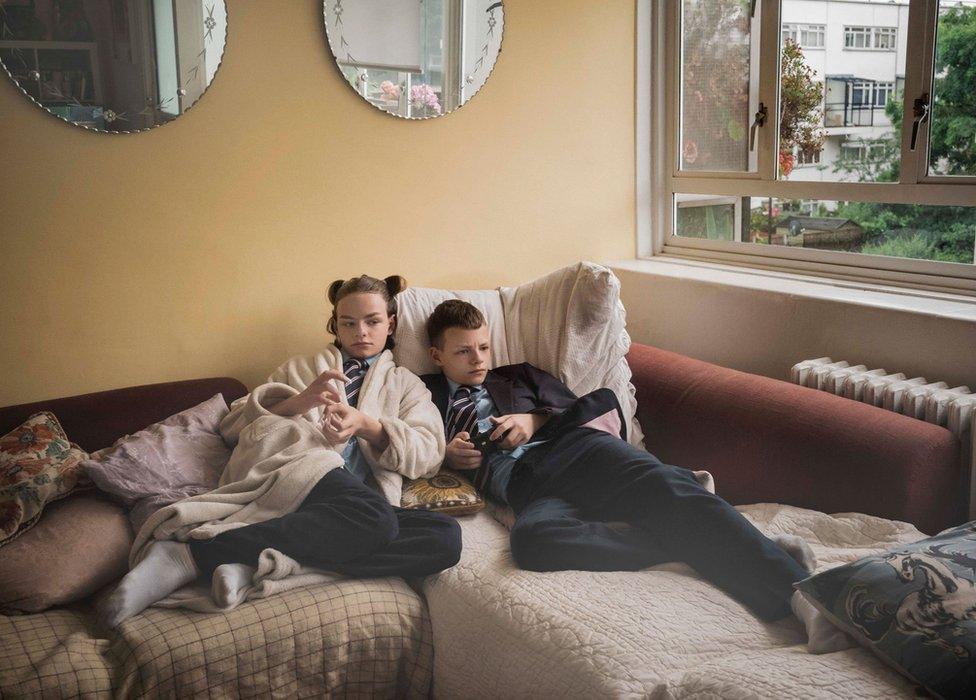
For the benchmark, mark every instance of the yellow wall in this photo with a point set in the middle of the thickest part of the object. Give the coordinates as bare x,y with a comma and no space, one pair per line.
204,247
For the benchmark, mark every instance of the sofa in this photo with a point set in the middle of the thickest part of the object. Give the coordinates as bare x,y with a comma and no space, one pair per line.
352,638
787,454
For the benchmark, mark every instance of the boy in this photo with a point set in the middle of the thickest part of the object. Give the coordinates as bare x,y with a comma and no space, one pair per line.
569,483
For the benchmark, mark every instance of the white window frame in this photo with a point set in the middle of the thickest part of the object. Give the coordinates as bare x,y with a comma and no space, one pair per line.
806,160
890,32
798,32
871,37
818,30
865,87
887,88
658,159
852,33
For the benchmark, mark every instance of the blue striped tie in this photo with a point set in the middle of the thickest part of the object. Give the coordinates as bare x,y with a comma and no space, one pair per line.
354,369
461,413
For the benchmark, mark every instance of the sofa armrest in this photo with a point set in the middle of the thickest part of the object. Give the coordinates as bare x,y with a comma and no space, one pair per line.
767,440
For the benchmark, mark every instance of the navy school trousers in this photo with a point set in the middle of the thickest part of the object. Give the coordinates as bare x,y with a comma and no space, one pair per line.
346,527
569,494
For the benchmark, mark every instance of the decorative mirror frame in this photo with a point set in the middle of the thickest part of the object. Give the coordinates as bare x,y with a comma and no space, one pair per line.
209,23
493,22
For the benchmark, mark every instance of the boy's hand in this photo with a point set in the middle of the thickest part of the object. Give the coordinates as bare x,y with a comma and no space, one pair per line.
517,428
461,453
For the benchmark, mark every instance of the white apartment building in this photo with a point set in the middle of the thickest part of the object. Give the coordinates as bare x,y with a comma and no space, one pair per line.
858,49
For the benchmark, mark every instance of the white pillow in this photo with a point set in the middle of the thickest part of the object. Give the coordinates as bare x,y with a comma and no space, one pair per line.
569,323
414,307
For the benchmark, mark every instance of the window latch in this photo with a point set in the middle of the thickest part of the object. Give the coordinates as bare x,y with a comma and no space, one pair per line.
752,8
758,121
921,111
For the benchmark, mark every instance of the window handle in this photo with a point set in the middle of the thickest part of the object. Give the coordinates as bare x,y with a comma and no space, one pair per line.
921,111
752,8
758,121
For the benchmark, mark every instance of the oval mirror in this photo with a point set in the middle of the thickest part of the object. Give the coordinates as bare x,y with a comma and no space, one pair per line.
113,65
416,59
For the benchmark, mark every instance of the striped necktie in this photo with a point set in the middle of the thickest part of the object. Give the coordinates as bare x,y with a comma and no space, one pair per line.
461,413
354,369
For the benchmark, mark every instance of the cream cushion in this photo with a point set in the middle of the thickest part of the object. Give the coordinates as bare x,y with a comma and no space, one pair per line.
569,323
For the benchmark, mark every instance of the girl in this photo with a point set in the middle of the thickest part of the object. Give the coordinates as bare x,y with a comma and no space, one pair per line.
321,450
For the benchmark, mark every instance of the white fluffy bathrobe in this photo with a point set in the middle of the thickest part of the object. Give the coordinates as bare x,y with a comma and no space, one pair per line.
276,461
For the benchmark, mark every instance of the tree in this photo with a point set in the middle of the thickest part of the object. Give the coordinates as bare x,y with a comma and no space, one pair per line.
953,130
800,116
941,233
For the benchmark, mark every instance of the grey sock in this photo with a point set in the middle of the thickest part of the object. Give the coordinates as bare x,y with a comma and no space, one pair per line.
166,567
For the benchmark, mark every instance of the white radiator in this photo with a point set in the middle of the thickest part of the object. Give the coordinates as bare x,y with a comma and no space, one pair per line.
934,402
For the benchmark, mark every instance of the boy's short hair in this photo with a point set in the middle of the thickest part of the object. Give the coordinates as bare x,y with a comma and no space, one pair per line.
452,313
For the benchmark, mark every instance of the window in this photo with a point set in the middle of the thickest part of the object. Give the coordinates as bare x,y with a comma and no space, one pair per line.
774,157
884,38
857,37
807,36
862,93
719,86
882,93
880,38
864,152
807,157
702,216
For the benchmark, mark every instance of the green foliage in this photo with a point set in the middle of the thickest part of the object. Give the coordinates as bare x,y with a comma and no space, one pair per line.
916,230
953,133
918,246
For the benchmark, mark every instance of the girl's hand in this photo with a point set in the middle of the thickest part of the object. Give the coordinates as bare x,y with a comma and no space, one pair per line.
517,428
319,393
461,453
340,422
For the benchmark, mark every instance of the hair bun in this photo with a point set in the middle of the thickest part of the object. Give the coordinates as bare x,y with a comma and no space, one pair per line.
334,290
395,284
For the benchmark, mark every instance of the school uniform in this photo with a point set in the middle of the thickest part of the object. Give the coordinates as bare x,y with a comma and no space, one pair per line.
571,486
343,524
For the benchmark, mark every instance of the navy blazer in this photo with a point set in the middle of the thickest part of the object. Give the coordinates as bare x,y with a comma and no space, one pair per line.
523,388
519,388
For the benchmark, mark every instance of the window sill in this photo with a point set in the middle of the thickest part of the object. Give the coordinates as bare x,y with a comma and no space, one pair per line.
934,304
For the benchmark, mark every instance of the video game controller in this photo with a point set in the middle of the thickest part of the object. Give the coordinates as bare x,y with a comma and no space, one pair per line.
482,440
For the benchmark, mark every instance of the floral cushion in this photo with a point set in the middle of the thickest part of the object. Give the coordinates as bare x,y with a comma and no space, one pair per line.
915,607
445,492
38,465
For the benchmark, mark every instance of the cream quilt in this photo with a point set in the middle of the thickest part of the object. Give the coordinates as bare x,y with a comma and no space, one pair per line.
658,633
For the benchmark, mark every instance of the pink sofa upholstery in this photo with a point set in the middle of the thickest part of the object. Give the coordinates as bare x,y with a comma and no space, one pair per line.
767,440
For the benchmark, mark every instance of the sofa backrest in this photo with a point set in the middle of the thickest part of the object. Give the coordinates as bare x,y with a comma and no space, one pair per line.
769,441
97,420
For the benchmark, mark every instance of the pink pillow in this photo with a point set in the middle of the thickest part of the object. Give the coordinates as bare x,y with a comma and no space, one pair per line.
80,544
181,456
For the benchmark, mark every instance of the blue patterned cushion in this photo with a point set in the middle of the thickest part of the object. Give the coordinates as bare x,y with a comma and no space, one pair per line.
915,607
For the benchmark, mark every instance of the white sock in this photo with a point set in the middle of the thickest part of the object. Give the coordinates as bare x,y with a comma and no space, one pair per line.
166,567
797,548
230,583
822,636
